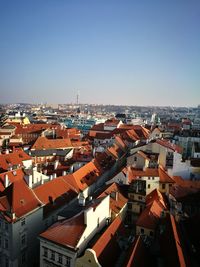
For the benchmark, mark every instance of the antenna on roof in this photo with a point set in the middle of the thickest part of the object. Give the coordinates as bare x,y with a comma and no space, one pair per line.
77,97
77,102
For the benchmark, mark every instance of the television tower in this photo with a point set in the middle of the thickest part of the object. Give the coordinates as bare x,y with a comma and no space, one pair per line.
77,102
77,98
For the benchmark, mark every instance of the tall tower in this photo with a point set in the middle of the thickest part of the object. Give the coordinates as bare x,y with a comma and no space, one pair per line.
77,97
77,102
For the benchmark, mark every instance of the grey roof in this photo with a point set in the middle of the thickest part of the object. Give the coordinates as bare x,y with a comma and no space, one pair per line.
49,152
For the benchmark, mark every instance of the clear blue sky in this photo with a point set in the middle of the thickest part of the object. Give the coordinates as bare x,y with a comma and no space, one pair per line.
113,52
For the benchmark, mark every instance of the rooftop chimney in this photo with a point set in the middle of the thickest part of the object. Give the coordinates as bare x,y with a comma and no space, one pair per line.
6,181
29,180
13,216
81,200
64,173
56,164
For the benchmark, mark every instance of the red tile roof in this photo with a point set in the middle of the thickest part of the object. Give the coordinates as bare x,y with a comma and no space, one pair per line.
33,128
164,176
102,136
121,143
85,176
139,131
138,255
52,190
174,126
130,136
178,191
149,172
12,176
111,122
149,218
14,158
44,143
66,232
134,174
143,155
81,145
97,127
186,183
169,145
117,199
115,151
104,160
19,198
107,244
5,133
68,133
177,242
155,195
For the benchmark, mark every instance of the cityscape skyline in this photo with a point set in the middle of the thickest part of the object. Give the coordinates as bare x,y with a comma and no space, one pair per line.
144,54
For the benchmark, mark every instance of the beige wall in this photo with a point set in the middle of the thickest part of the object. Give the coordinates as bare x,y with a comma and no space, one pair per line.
136,207
89,259
139,163
46,261
155,134
151,184
166,189
136,197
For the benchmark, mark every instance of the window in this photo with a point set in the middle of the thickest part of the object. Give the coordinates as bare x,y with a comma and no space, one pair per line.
53,219
135,158
23,257
139,197
60,259
23,240
151,233
149,186
68,261
129,206
6,226
23,221
6,262
142,231
6,243
163,186
53,255
45,254
46,223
